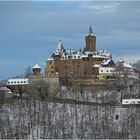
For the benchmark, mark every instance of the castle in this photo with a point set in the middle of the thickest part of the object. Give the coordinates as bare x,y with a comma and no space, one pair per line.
85,63
84,67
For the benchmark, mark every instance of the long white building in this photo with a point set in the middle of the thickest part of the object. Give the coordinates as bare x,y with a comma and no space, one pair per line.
17,81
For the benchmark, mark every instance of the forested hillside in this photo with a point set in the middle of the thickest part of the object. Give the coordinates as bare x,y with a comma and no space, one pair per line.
35,119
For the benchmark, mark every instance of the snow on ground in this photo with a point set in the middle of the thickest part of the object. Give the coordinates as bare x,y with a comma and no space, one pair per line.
29,119
100,96
41,119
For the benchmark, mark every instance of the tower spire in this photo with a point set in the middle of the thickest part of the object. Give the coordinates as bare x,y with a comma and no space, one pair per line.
90,30
60,47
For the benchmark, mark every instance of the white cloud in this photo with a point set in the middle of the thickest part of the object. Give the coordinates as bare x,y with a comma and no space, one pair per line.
101,7
112,7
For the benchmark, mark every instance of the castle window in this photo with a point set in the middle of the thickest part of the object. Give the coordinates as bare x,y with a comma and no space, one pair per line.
50,62
52,72
52,67
106,70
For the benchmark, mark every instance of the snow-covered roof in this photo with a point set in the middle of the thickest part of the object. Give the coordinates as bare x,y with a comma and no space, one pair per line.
103,52
36,66
96,65
90,32
50,59
88,52
99,56
60,47
68,54
84,56
96,56
71,55
57,53
106,62
126,65
4,89
78,55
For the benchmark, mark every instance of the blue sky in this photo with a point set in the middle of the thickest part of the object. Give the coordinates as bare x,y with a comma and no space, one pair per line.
30,31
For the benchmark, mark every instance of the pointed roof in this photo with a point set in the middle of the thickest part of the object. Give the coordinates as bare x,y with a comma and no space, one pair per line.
60,47
90,30
108,62
36,66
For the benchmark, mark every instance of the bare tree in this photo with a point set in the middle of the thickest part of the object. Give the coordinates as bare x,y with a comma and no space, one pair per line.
28,71
137,68
122,75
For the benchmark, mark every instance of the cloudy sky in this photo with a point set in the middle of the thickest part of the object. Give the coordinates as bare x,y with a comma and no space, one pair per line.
30,31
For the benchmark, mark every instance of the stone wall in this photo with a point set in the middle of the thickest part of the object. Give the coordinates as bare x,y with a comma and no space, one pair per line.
51,83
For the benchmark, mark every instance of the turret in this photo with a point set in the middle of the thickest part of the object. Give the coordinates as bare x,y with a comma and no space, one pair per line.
36,69
90,41
60,47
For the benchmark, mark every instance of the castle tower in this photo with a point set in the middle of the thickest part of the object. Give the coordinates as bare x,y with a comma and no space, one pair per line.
90,41
36,69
